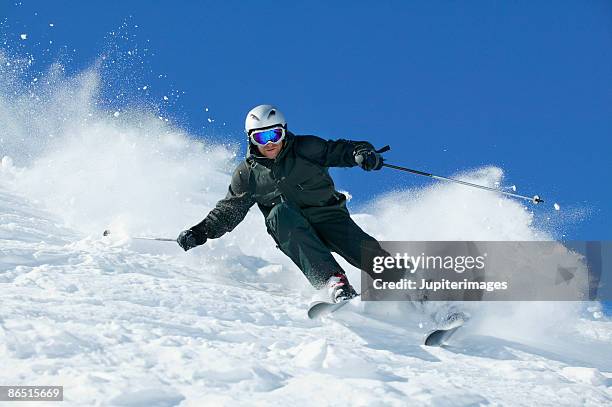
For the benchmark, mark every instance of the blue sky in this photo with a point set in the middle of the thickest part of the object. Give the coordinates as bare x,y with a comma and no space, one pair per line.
450,85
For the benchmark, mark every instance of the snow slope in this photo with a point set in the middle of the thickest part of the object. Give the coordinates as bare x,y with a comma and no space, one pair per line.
123,322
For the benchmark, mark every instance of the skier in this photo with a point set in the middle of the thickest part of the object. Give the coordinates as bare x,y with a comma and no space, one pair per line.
287,176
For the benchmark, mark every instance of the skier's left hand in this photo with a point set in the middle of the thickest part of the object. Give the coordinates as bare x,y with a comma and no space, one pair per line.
368,159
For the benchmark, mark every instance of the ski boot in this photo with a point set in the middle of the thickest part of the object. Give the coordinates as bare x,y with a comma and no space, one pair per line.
339,288
454,319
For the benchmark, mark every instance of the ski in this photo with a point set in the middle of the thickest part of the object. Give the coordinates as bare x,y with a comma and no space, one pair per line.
318,309
439,337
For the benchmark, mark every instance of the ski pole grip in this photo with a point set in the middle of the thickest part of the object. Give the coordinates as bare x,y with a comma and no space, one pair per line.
382,150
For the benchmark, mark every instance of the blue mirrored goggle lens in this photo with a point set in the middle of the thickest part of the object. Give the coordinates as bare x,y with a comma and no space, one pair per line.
267,136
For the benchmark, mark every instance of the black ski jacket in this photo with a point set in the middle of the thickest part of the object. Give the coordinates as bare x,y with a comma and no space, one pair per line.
298,175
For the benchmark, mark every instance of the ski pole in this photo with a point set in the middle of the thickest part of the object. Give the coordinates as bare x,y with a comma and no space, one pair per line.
535,199
159,239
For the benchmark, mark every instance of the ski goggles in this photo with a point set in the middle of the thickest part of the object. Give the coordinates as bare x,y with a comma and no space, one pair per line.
263,137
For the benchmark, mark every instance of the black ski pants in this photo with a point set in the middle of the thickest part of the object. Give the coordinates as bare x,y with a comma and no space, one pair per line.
309,244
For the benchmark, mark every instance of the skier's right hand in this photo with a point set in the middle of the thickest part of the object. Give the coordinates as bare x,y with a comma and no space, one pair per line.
187,239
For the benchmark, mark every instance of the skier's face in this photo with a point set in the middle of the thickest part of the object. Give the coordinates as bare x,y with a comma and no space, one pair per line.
270,150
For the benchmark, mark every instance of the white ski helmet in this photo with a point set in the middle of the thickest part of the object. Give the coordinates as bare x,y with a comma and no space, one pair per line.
263,116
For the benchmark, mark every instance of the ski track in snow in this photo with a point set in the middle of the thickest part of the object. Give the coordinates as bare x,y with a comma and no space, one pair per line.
117,326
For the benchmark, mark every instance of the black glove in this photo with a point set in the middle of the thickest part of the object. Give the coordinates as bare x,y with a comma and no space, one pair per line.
187,239
367,158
